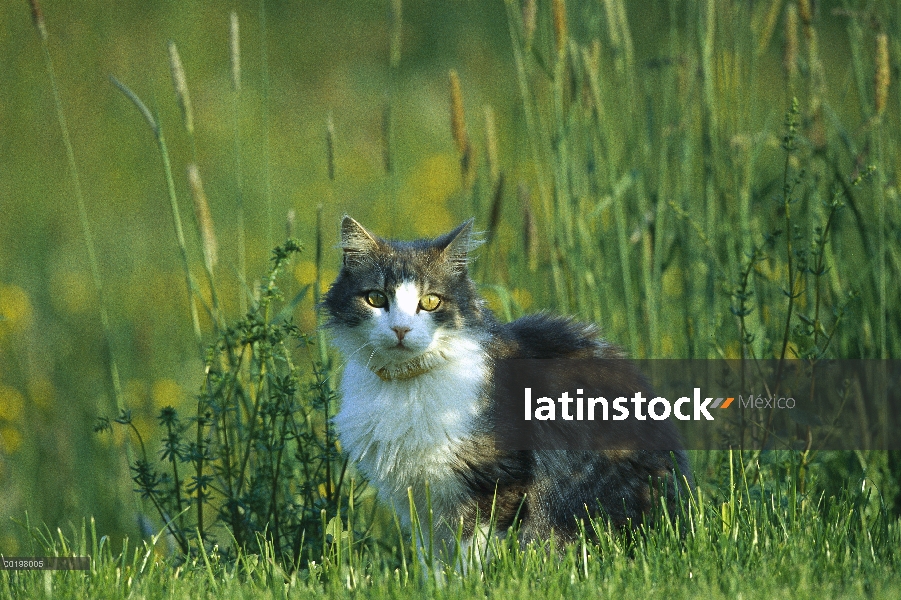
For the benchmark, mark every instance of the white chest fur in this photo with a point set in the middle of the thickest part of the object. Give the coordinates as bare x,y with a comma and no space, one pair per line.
404,433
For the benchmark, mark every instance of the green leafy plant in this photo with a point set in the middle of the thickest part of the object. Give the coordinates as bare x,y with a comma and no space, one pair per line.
258,462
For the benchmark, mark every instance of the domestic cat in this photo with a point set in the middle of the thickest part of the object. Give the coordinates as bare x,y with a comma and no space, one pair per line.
420,346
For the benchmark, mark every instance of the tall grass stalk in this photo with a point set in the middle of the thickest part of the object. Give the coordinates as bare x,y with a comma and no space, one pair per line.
388,124
881,250
202,218
264,90
459,131
710,133
234,45
118,400
518,36
790,55
788,190
495,175
327,385
40,25
157,131
182,94
881,81
331,169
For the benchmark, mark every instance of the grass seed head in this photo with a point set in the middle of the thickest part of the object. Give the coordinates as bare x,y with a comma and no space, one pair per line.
330,147
458,117
290,223
790,59
612,30
387,160
806,12
561,30
395,20
458,124
491,144
234,48
204,218
37,17
883,73
529,20
180,83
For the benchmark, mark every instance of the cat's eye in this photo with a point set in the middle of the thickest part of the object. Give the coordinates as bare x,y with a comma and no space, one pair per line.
376,299
429,302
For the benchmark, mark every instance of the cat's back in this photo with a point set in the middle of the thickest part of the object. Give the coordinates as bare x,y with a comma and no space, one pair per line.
547,336
565,484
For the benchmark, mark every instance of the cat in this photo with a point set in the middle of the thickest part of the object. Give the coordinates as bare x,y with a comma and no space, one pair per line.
420,344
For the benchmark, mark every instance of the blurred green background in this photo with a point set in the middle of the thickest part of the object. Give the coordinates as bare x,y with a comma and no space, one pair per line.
694,95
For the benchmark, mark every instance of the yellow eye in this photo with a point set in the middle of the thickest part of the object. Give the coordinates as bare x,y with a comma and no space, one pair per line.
376,299
429,302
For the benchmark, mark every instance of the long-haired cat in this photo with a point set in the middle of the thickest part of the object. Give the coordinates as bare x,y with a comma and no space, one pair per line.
420,345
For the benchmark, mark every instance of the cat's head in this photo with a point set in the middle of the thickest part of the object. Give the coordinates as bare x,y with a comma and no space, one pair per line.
396,302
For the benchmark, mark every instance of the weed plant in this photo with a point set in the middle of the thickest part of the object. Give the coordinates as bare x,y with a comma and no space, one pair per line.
258,462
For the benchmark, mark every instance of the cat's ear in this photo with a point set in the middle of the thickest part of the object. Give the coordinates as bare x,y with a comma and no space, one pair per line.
355,240
457,245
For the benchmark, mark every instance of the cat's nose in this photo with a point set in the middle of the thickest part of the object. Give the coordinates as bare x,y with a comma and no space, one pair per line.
401,332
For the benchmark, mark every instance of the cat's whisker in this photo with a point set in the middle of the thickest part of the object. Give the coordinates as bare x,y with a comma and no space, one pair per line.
349,357
369,360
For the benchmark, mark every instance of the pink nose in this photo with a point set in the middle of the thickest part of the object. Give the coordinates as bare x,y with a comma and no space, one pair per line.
401,332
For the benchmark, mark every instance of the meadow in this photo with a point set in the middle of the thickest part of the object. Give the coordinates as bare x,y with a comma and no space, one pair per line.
714,179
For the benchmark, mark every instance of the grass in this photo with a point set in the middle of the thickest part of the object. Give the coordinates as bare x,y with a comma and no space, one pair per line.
737,542
633,169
